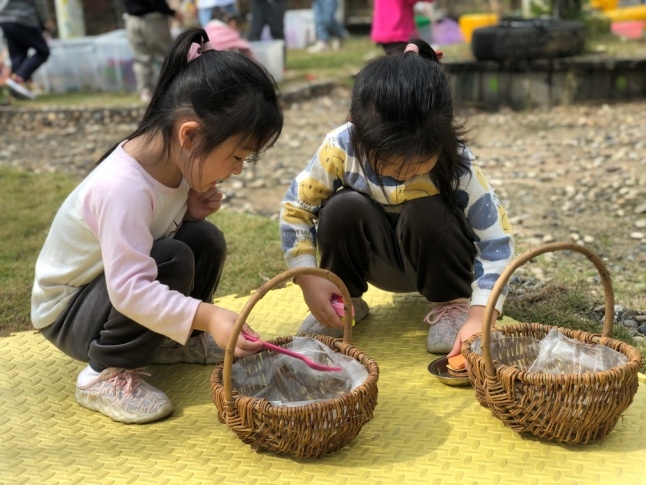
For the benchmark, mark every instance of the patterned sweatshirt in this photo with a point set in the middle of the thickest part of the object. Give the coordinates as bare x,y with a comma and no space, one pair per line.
335,167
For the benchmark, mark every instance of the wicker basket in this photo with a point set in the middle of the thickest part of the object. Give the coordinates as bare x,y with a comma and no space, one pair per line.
567,408
306,431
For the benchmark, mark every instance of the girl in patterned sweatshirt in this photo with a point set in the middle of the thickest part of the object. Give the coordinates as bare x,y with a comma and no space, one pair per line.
127,273
395,198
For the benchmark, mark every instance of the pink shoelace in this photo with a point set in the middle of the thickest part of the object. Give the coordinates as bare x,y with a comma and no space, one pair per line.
128,378
453,310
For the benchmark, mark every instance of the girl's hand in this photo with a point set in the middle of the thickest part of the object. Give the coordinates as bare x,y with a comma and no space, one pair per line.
199,206
471,326
219,322
317,292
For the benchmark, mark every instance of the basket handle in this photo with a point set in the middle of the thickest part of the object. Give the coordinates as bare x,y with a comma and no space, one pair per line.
260,293
522,259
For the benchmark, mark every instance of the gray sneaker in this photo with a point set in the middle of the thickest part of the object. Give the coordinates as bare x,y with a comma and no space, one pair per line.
124,396
200,349
311,325
445,320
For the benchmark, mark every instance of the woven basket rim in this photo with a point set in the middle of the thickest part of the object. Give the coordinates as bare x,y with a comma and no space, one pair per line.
343,347
630,352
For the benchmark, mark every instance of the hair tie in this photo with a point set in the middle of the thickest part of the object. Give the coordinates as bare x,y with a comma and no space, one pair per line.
411,48
196,50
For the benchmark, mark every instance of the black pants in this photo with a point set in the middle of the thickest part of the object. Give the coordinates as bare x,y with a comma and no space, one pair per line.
267,12
91,330
20,38
393,48
424,249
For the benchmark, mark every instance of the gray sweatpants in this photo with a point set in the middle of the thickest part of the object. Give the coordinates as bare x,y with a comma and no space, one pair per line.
150,40
92,330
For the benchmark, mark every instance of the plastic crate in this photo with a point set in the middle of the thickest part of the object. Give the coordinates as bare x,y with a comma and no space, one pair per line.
70,67
299,28
270,53
114,62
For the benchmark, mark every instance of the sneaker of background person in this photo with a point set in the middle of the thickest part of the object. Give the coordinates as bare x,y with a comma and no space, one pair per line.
312,326
200,349
146,95
124,396
445,320
19,89
336,44
319,46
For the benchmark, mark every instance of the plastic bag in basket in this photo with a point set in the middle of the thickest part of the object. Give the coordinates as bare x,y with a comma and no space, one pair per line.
559,354
284,380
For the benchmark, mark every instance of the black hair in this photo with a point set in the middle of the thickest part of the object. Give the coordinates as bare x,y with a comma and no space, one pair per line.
228,93
402,109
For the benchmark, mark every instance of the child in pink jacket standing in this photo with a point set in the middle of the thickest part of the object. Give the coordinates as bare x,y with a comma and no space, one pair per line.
393,24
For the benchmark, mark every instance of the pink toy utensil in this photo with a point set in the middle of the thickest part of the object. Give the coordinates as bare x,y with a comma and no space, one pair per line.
283,350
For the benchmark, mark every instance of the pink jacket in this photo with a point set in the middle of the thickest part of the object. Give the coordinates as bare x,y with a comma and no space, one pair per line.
393,21
224,38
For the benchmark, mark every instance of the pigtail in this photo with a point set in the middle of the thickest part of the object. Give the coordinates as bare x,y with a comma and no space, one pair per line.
175,62
424,50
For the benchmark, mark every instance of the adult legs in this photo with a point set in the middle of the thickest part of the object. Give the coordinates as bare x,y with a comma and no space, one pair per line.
19,40
332,25
258,18
204,15
320,24
150,40
276,18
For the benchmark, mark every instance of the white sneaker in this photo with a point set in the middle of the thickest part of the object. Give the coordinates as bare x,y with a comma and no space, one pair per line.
312,326
200,349
319,46
335,44
445,320
124,396
19,90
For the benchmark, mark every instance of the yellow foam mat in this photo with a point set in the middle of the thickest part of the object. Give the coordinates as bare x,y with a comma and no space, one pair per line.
423,432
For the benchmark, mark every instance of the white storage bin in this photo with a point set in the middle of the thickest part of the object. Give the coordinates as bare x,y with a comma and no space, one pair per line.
114,62
270,54
299,28
70,67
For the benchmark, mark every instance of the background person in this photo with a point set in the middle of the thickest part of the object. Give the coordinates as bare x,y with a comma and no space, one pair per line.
149,35
393,24
329,31
23,23
224,34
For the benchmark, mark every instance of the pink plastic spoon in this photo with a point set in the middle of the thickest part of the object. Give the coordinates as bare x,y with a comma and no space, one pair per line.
283,350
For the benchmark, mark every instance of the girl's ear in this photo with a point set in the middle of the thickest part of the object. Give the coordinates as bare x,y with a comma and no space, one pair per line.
187,132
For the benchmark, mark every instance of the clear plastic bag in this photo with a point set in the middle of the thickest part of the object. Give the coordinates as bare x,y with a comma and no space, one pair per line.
559,354
513,350
286,381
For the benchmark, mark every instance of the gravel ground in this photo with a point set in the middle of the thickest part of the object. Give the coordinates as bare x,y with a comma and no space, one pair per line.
569,173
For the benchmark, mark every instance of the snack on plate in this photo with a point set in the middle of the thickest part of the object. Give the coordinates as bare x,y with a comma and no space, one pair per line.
457,366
